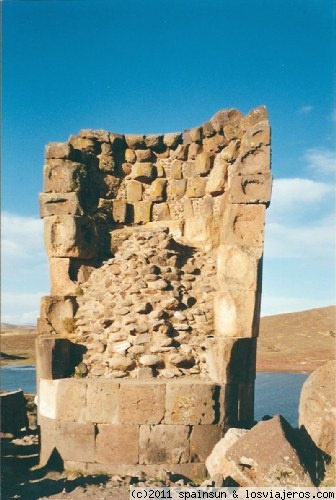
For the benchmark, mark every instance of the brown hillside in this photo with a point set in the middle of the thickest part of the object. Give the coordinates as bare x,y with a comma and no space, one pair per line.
297,342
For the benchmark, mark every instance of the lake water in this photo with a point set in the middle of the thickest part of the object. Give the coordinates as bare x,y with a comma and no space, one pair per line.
274,392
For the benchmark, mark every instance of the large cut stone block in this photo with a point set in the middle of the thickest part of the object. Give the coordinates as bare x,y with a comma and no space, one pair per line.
75,441
243,225
161,211
63,176
59,204
176,170
231,360
134,191
70,236
59,311
60,281
256,136
217,178
142,212
253,162
201,232
117,444
141,403
202,164
236,313
70,399
250,188
142,171
58,150
188,403
239,268
53,355
158,190
13,411
119,210
178,188
202,440
196,187
102,401
160,444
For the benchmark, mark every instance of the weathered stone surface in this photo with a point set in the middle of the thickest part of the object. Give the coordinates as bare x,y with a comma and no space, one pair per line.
202,440
59,311
71,400
135,141
134,191
63,176
243,225
250,188
202,164
60,282
154,141
236,313
196,187
59,204
317,410
106,163
141,402
161,211
216,461
176,170
268,455
201,232
102,401
119,210
142,212
70,236
73,440
53,357
161,444
143,171
158,190
253,162
231,360
217,178
172,140
194,404
57,150
178,188
143,155
117,444
239,268
130,156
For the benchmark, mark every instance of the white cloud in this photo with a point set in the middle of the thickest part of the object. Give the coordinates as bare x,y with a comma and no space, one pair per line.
24,268
321,160
293,197
305,110
20,308
311,241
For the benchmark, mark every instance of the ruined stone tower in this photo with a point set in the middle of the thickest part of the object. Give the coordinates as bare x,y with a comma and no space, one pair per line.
147,342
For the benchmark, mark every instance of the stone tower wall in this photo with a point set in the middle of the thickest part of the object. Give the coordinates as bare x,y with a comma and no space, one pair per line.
155,249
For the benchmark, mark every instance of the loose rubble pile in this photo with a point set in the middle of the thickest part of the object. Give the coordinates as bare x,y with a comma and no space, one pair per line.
147,311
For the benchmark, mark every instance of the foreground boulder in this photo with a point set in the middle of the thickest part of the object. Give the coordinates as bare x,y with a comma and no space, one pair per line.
13,412
216,462
270,454
317,410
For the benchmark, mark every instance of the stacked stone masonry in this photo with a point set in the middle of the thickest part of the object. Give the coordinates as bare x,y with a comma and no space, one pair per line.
155,247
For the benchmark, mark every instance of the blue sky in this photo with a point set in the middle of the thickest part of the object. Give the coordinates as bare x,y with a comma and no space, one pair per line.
158,66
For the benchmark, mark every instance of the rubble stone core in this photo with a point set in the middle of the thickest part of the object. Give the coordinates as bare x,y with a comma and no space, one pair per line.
147,342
